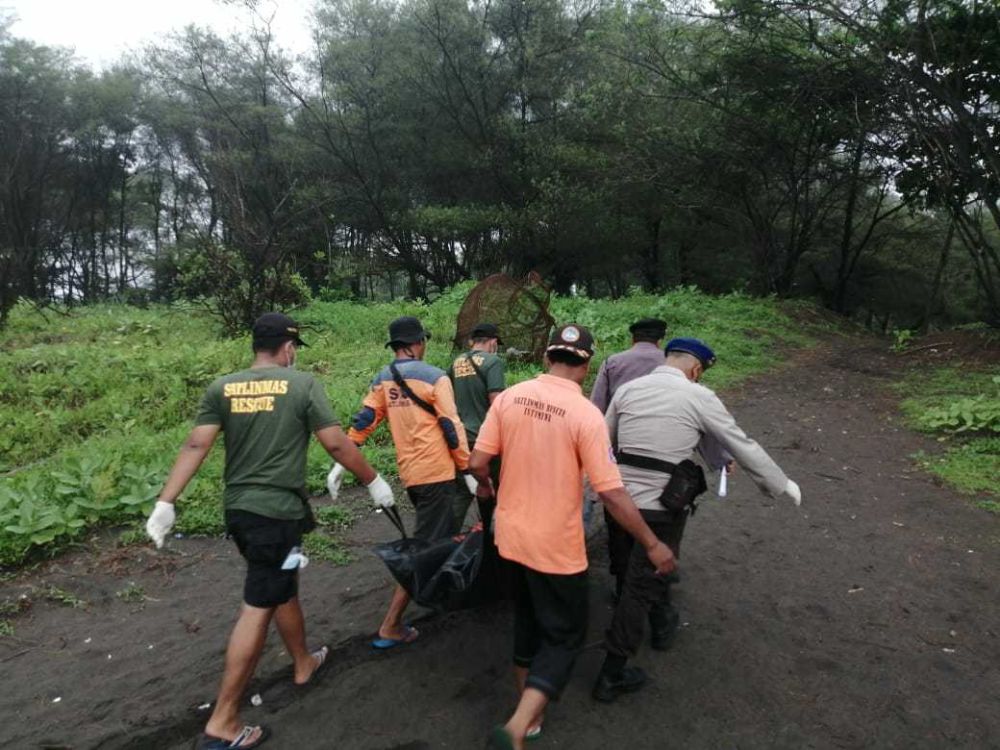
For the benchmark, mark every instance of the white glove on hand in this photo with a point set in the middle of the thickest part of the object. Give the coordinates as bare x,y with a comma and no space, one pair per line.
793,491
471,482
381,492
334,479
161,520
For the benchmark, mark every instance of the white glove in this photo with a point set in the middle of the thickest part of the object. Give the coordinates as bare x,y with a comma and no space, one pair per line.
793,491
334,479
381,492
161,520
471,482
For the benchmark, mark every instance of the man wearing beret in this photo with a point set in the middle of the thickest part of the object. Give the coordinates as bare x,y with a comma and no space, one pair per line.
618,369
656,422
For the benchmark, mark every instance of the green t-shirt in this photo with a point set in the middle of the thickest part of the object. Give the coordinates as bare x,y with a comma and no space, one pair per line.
472,390
267,415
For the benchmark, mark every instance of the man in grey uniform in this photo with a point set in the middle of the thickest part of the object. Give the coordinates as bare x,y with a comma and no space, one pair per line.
641,359
618,369
661,419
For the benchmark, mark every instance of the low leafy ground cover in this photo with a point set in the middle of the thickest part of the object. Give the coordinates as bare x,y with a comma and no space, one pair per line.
962,408
94,402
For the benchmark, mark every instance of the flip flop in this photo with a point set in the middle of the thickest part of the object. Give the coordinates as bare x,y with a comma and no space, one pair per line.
535,733
320,656
500,739
240,742
384,644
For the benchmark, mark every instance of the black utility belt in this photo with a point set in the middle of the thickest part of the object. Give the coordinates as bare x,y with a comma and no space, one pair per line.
687,480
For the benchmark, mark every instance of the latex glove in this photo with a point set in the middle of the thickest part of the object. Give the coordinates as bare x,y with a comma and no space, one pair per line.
381,492
334,479
161,520
793,491
471,482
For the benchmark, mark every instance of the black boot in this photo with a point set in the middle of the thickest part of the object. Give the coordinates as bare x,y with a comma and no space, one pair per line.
610,685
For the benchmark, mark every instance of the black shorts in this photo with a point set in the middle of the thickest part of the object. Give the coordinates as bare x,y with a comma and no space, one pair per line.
434,504
550,625
265,543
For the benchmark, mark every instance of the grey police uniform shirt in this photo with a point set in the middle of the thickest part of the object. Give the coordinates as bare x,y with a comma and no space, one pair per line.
622,368
666,416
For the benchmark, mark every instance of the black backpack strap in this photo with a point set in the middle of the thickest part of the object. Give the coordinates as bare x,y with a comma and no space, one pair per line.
398,379
478,370
645,462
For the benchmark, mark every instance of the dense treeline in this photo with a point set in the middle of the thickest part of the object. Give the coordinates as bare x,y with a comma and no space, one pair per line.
845,149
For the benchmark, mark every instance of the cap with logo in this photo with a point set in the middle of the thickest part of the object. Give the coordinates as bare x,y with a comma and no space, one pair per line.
407,330
486,331
574,339
694,347
652,327
277,328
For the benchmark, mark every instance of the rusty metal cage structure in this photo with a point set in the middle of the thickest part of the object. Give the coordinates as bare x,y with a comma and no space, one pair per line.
519,308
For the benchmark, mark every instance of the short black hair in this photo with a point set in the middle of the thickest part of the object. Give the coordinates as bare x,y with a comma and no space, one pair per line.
646,336
397,346
563,357
269,346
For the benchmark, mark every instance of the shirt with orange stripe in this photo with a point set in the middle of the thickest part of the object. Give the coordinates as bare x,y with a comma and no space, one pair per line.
548,434
422,451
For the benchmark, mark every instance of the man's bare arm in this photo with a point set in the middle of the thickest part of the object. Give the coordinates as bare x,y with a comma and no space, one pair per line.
192,453
342,450
622,509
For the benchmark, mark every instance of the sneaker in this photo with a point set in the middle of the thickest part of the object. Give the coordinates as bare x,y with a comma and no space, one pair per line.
608,688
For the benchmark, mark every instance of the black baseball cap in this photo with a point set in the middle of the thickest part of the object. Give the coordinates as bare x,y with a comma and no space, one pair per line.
276,327
572,338
486,331
407,330
649,327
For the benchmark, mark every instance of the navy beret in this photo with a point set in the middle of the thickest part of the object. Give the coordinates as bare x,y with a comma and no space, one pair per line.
694,347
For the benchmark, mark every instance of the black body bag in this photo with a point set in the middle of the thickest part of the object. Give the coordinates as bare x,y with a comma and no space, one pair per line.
443,574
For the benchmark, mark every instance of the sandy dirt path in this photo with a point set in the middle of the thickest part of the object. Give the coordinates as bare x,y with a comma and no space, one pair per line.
869,617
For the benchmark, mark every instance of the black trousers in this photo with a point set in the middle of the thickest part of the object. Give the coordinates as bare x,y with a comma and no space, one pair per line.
619,548
550,625
644,594
463,499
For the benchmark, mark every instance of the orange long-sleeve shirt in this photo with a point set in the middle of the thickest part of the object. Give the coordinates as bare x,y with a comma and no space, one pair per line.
422,451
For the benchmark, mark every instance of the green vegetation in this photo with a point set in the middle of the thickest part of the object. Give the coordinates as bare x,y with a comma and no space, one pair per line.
962,408
133,593
96,402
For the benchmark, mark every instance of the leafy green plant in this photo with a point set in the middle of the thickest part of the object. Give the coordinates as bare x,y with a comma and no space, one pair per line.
970,414
901,339
319,546
132,593
6,628
61,596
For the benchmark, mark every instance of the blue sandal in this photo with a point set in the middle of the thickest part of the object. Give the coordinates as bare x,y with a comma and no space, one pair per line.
384,644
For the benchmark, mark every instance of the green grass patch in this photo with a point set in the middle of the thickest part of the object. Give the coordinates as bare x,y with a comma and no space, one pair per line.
962,408
95,402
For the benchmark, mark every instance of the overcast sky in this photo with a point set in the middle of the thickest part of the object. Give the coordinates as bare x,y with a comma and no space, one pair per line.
101,30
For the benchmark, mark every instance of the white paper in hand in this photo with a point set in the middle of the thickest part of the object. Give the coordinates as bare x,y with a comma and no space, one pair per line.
723,482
